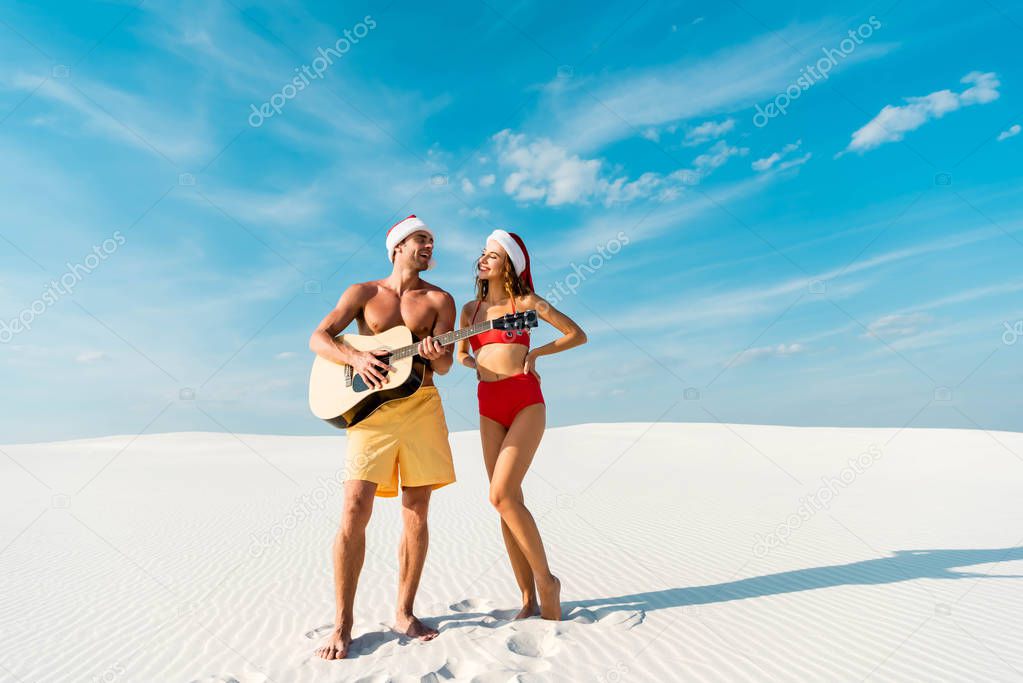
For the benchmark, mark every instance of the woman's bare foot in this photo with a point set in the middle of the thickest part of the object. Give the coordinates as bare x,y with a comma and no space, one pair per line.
529,609
409,625
550,599
337,645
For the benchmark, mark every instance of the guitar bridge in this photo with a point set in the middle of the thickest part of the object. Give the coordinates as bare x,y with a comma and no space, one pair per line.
349,376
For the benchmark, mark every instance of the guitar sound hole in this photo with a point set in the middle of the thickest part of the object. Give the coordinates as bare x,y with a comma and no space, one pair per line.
359,384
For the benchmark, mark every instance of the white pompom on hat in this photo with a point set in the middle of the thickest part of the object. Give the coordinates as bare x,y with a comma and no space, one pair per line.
403,229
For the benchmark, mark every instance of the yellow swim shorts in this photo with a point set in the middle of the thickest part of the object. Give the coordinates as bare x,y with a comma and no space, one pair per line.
407,437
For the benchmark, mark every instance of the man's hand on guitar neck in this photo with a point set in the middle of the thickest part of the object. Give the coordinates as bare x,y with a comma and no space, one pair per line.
369,365
432,350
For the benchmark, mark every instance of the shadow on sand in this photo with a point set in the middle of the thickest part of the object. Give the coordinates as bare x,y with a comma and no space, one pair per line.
904,565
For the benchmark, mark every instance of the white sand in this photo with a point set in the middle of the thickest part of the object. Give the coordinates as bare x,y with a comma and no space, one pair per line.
151,571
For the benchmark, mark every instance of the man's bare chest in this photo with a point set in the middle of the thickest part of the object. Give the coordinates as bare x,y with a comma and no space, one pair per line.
413,310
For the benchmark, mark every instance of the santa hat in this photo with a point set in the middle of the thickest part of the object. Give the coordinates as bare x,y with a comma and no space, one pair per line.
403,229
517,254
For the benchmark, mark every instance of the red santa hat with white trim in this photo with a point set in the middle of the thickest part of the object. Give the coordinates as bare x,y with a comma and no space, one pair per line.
402,229
515,247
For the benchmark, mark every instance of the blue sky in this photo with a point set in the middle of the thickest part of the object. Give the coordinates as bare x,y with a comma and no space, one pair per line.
854,260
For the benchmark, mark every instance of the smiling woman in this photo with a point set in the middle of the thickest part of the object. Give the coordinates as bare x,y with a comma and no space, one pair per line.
513,413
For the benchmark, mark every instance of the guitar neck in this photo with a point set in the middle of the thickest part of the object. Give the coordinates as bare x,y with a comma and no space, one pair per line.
445,339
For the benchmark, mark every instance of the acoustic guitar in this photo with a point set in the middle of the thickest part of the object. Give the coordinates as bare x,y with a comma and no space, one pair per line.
340,396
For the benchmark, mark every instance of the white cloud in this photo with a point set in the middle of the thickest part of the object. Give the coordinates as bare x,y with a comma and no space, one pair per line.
487,180
973,295
467,186
620,190
798,161
717,156
654,134
898,325
768,162
760,352
767,298
474,212
707,131
1013,131
545,171
576,241
284,355
893,122
627,103
132,120
542,171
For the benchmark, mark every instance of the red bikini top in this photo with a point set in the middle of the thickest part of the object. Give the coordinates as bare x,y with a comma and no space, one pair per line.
497,336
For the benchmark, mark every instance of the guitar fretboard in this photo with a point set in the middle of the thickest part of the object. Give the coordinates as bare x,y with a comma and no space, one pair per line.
445,339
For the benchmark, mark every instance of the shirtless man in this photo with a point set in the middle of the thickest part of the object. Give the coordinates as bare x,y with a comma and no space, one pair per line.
408,436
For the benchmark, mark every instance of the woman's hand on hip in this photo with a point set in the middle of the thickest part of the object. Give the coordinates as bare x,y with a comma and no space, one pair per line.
529,366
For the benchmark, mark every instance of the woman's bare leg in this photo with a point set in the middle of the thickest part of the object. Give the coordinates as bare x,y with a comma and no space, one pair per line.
492,434
513,460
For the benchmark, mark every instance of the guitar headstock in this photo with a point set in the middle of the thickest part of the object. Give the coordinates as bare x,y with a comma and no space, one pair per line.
517,322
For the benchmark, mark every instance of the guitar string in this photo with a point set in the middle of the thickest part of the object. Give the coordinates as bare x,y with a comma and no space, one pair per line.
447,337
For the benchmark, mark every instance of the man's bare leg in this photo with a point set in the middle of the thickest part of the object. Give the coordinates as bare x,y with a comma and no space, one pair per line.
349,553
415,539
492,435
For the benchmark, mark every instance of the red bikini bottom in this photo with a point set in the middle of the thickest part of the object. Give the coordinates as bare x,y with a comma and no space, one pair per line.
502,400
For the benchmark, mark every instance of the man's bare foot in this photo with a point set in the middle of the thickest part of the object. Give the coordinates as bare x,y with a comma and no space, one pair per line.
409,625
550,599
529,609
337,645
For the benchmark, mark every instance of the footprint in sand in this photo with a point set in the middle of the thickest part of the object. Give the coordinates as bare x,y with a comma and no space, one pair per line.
581,615
472,605
507,675
456,668
623,618
319,631
535,645
228,678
